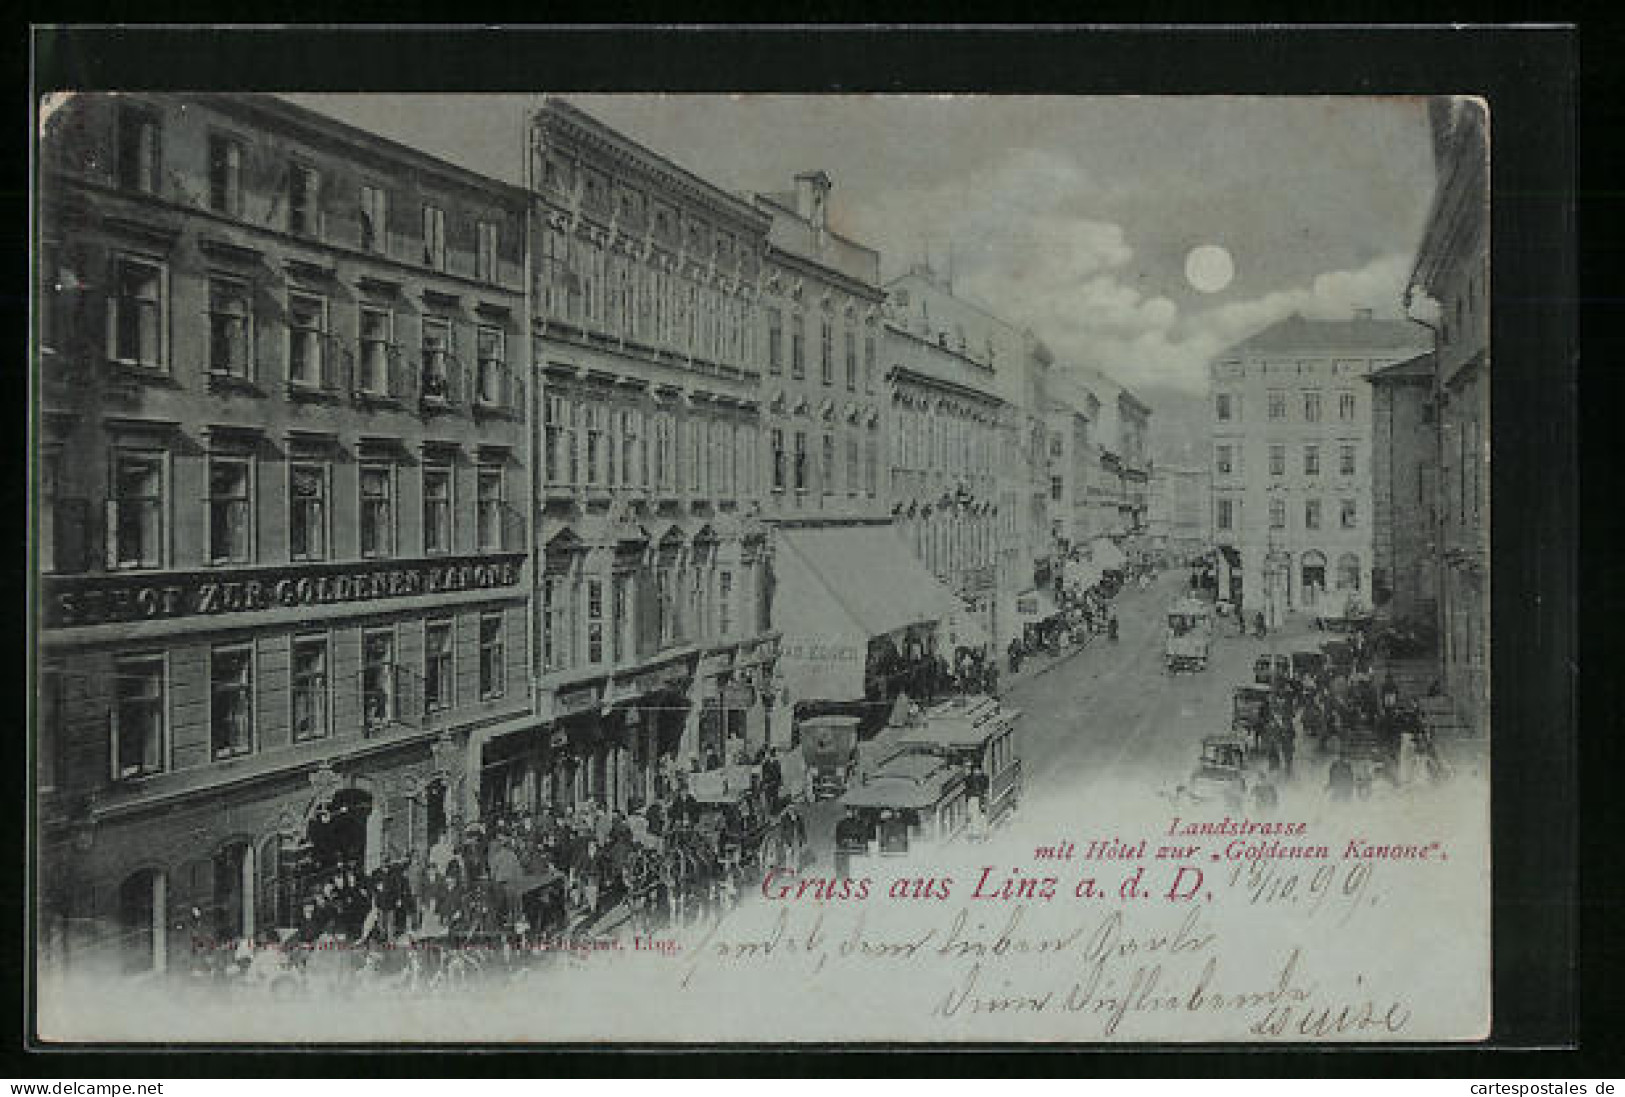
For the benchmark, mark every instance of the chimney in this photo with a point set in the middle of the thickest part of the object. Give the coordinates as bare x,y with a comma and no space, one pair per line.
1362,314
812,196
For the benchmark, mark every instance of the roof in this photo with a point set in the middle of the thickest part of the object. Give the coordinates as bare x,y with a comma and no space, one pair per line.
905,781
963,722
1299,334
1420,368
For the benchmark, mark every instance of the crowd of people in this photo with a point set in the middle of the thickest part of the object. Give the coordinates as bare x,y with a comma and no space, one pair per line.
1339,710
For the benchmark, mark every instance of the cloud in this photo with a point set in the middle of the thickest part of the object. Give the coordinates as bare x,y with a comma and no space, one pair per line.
1146,340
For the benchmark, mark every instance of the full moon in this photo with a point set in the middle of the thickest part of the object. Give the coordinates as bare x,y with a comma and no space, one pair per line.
1208,268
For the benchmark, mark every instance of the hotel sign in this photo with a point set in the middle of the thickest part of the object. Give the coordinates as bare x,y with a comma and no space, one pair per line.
73,601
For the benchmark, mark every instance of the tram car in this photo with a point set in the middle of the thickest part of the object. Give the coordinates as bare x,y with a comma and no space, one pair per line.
977,734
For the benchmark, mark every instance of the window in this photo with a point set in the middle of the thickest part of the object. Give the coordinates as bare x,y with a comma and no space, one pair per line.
434,237
1055,488
869,364
798,346
438,685
493,669
225,175
1311,514
1345,406
1277,400
1277,460
1311,407
801,461
778,460
230,329
374,219
1223,463
485,256
137,512
304,201
489,503
1345,461
138,150
309,688
136,322
620,614
873,466
139,717
307,511
826,352
1222,407
490,353
775,340
378,678
377,512
436,367
1277,514
1311,460
1224,516
1350,514
1348,572
376,330
231,701
725,604
595,621
851,361
230,510
307,335
437,504
826,467
852,464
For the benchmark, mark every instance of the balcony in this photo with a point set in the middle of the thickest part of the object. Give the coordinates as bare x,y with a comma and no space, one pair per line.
381,376
442,383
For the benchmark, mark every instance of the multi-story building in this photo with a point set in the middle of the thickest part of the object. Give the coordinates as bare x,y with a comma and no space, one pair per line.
283,467
1452,268
1178,525
853,607
653,643
1133,419
1074,463
1291,419
1404,482
923,304
947,431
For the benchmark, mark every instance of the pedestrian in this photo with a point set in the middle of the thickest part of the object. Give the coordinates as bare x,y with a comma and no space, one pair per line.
1340,780
772,779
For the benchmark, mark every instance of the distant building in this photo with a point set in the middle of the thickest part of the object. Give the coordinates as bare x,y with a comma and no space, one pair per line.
1292,425
1452,268
1179,517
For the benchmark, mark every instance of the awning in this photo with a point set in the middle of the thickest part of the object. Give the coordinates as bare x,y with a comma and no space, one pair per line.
837,588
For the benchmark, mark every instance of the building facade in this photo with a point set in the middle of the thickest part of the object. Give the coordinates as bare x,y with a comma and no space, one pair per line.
1452,269
1404,482
283,561
1291,482
653,642
1180,511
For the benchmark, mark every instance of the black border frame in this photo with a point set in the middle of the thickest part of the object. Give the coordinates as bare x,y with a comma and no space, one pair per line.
1530,77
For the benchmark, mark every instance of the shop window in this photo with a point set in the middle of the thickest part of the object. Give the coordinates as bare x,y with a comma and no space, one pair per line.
231,696
143,921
